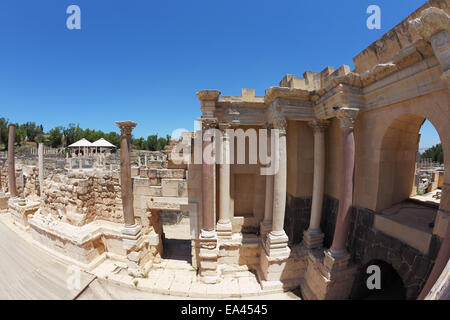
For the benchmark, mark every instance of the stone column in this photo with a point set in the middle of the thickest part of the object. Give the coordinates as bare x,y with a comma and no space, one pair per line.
276,250
208,183
280,184
337,256
11,162
125,172
41,167
313,237
224,227
266,225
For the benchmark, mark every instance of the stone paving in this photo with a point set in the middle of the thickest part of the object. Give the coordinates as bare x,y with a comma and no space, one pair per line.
173,278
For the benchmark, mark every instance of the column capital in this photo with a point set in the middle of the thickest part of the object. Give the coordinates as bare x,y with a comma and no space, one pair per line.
347,116
12,125
319,125
431,21
208,95
209,123
126,127
279,122
223,126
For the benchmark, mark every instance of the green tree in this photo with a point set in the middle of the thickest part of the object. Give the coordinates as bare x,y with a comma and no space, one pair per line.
436,153
56,136
4,132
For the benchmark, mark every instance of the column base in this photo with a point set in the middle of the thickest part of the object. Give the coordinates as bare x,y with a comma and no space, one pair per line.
264,228
321,283
313,239
138,254
336,261
224,230
274,256
208,256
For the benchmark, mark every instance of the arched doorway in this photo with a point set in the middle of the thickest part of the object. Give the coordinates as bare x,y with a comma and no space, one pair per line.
392,287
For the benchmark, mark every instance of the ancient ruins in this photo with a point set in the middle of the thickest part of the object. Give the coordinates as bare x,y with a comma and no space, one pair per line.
346,193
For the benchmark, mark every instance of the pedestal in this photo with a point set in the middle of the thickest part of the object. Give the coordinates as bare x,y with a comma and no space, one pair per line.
209,252
138,255
328,277
274,256
313,239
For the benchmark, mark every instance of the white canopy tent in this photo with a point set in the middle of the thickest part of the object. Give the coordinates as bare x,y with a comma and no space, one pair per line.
83,143
87,146
102,143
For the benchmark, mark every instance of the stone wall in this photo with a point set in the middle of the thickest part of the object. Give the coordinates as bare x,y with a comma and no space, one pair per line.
366,244
83,197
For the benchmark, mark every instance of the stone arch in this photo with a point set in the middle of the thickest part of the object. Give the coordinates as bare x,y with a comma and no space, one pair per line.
400,120
392,283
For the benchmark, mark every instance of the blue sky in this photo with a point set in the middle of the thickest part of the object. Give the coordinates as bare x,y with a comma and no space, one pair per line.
144,60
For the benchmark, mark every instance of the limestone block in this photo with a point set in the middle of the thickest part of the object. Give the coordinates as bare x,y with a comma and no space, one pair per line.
171,173
170,187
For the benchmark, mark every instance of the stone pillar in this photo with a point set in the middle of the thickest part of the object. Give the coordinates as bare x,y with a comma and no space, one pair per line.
337,256
313,237
208,181
208,242
276,250
41,167
266,225
125,172
224,227
11,162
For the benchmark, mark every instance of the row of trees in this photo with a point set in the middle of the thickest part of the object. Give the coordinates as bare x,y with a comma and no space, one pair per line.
436,153
65,136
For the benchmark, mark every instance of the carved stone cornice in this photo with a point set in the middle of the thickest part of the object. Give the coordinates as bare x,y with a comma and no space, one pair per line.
126,127
209,123
319,125
431,21
347,116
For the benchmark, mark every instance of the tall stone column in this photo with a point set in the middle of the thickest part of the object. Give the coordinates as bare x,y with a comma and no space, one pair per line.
208,181
126,127
11,162
276,250
313,237
41,167
224,227
337,256
266,225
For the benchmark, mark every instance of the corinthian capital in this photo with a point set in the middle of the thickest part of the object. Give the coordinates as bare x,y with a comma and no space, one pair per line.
209,123
126,127
431,22
319,125
347,116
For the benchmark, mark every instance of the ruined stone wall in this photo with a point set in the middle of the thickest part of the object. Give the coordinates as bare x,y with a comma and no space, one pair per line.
31,182
84,197
402,35
365,244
